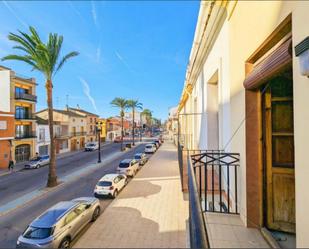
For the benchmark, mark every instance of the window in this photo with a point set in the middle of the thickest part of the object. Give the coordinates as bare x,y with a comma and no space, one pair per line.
81,208
22,131
3,125
42,134
90,120
64,145
104,184
21,112
70,217
37,233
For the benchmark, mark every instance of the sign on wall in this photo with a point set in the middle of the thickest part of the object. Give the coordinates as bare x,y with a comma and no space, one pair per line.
3,125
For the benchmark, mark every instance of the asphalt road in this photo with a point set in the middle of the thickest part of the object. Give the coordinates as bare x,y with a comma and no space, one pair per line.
13,223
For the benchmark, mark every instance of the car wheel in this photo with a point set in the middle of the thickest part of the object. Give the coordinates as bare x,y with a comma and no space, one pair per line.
96,214
115,194
38,166
65,243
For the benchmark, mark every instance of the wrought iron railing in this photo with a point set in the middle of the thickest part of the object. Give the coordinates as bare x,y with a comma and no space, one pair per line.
77,134
25,135
25,116
197,226
26,96
216,173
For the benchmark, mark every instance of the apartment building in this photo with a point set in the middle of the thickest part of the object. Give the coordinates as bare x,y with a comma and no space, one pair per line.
22,93
113,125
91,120
70,130
245,97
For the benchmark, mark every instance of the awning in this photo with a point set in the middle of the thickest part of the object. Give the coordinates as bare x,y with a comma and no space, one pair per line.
275,62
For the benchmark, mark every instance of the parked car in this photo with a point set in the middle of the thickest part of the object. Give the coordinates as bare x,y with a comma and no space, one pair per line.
128,167
59,225
141,158
117,139
156,144
91,146
37,162
110,185
150,148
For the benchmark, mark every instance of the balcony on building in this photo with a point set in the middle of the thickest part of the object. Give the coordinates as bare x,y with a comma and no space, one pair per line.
23,113
25,135
24,94
78,134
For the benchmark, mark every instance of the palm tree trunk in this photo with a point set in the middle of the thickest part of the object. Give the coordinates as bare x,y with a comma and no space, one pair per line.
121,148
52,177
133,130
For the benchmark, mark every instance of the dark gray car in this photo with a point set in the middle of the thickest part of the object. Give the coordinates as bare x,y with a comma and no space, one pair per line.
60,224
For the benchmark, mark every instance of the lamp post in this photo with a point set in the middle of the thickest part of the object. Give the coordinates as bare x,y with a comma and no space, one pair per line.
98,129
140,127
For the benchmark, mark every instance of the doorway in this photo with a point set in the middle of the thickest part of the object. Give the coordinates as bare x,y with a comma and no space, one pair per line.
278,153
22,153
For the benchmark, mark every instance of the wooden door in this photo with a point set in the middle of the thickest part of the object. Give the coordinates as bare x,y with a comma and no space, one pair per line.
279,154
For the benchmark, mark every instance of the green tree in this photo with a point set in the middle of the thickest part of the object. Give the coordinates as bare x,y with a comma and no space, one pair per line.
148,114
45,58
134,105
122,104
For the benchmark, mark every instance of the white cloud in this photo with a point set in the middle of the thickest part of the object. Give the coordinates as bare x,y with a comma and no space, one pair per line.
98,54
15,15
86,90
94,14
123,61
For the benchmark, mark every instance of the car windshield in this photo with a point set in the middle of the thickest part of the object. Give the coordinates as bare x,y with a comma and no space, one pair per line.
36,159
104,184
91,145
124,165
137,157
149,146
38,232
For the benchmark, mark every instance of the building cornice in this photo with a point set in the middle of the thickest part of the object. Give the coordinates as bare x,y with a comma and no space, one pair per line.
211,18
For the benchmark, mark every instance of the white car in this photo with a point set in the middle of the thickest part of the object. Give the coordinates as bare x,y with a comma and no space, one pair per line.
128,167
150,148
110,185
91,146
37,162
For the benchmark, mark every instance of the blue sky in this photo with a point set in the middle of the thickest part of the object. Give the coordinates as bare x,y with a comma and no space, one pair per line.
129,49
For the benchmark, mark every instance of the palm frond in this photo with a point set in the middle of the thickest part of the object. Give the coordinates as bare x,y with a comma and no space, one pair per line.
64,59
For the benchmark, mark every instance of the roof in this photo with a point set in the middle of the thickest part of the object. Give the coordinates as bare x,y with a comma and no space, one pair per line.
52,215
83,111
109,177
65,112
41,120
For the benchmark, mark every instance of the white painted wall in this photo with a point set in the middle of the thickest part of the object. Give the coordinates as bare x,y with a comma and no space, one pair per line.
46,141
5,91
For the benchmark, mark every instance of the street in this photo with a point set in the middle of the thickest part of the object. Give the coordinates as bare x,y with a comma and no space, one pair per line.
12,186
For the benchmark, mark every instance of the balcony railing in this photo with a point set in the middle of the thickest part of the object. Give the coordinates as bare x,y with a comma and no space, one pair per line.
197,226
216,174
61,135
25,135
26,96
78,134
25,116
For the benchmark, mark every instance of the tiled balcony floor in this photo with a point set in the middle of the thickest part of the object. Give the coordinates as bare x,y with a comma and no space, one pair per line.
228,231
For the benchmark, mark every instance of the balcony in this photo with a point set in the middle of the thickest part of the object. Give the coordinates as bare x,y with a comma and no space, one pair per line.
26,96
25,135
23,116
61,135
211,178
78,134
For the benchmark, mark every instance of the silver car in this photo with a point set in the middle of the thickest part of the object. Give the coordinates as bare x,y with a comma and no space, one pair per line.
59,225
37,162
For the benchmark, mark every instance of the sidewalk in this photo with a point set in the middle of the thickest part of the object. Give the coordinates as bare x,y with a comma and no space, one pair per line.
149,213
20,166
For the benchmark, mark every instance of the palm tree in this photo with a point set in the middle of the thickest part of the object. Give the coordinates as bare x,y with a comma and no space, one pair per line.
45,58
148,114
134,105
122,104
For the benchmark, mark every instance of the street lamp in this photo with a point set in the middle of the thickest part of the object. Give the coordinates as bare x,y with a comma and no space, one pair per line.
98,130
